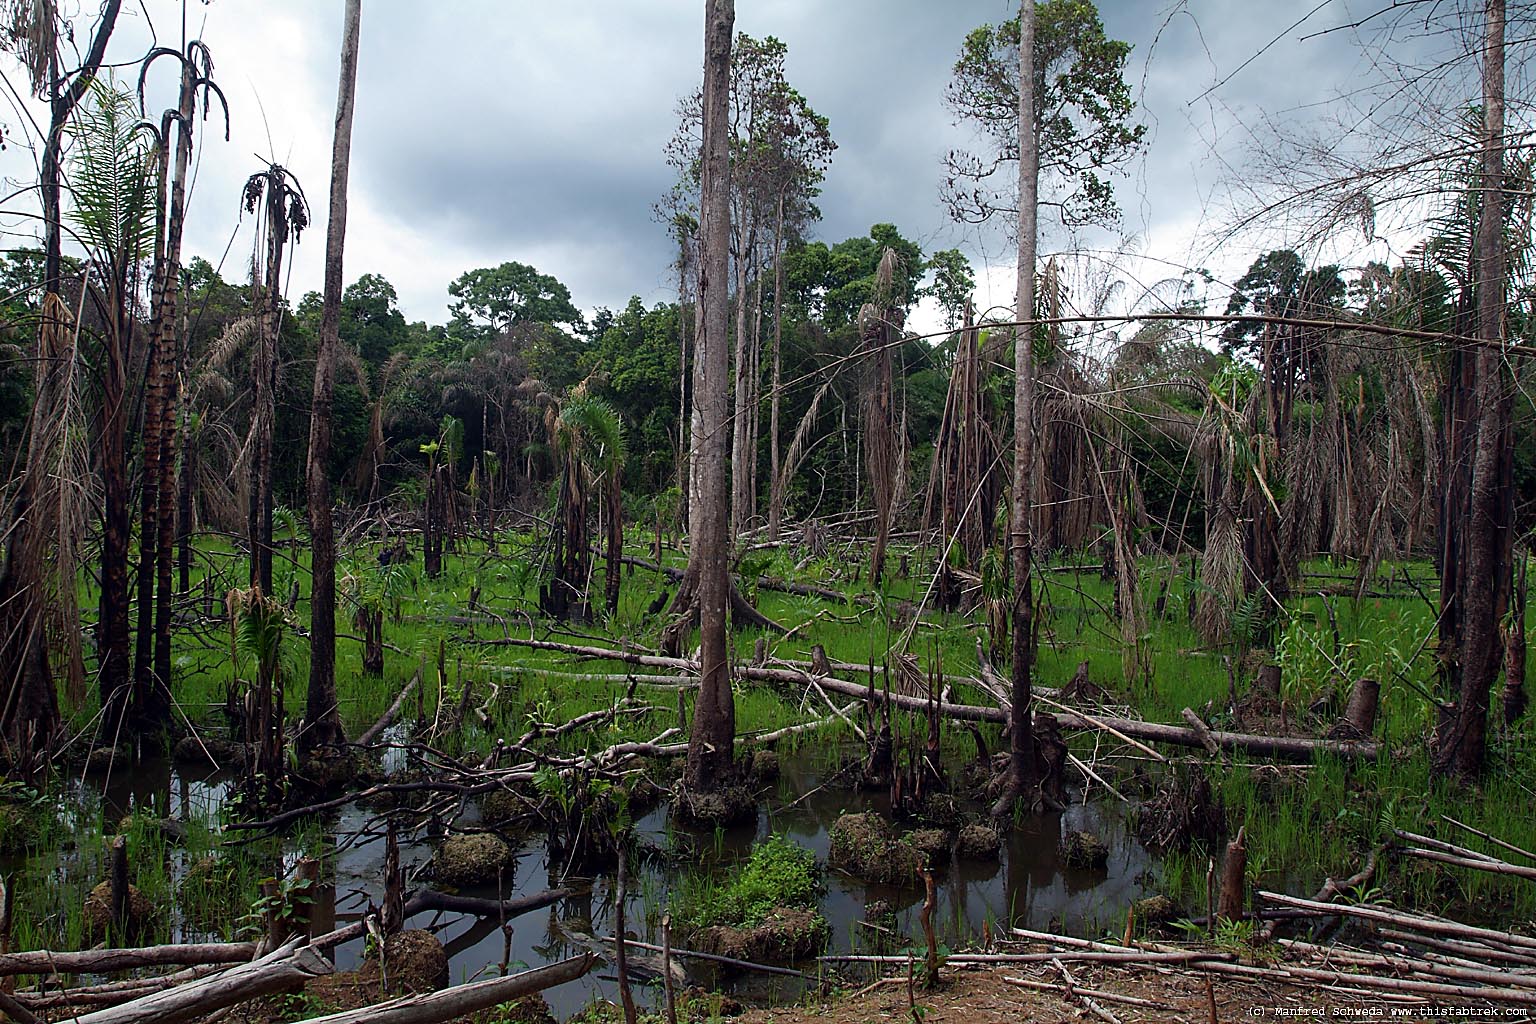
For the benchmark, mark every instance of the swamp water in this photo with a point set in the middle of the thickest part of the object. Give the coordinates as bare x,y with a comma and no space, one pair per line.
1027,886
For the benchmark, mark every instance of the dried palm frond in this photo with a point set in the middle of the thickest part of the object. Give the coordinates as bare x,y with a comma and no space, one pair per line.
31,32
236,337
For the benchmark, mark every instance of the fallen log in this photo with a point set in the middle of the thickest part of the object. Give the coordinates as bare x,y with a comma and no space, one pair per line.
428,899
113,992
1473,950
1494,867
1433,926
435,1007
1495,840
1442,852
287,967
1448,972
378,727
431,899
1284,747
714,958
1330,888
106,961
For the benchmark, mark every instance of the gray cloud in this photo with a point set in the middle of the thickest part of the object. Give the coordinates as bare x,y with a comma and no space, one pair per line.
489,131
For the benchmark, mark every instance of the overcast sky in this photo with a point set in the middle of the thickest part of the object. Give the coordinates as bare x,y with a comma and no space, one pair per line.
493,130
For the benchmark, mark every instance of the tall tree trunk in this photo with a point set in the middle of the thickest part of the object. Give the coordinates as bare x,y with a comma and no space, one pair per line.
775,485
1023,778
152,696
741,455
877,334
713,732
264,370
1481,591
29,712
1515,699
113,631
322,722
613,556
680,225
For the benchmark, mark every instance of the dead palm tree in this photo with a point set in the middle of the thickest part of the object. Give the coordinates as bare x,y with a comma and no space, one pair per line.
157,518
284,215
35,33
113,209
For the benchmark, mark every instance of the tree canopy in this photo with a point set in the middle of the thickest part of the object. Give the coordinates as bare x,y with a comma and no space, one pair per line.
1084,116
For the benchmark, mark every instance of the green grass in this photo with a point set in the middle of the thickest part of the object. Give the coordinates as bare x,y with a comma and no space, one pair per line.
1303,823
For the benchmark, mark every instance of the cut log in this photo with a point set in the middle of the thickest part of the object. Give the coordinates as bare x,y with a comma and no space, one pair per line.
428,899
460,1000
1234,878
1360,712
284,969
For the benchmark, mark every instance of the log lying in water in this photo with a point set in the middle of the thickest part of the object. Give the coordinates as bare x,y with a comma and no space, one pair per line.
1282,747
465,999
429,899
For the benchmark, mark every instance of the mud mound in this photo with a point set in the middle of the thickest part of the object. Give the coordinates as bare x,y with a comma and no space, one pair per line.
865,847
1084,851
784,936
472,860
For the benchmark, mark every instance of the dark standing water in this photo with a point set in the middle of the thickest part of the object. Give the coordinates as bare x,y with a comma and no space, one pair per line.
1028,886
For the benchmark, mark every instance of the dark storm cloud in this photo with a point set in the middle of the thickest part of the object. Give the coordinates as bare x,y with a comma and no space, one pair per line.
515,132
489,131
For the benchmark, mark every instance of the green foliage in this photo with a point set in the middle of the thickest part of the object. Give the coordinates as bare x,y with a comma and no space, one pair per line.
1083,109
780,873
493,300
953,284
111,178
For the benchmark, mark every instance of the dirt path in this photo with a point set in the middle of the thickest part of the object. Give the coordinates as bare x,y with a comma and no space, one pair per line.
981,996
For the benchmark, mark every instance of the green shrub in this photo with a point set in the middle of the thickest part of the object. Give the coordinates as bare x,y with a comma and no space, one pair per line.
780,873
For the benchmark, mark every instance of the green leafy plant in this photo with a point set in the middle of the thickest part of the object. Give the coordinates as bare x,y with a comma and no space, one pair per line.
780,873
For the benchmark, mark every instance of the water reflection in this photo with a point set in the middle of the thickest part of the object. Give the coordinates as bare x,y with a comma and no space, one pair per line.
1027,886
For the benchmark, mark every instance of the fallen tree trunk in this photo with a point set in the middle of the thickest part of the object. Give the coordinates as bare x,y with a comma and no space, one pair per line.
431,899
105,961
1434,926
465,999
428,899
287,967
378,727
1285,747
742,612
113,992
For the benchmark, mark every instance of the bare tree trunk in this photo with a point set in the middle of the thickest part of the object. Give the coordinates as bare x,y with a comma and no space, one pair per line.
322,722
113,631
682,377
154,700
741,453
713,730
1514,646
1022,774
1486,536
264,371
775,485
